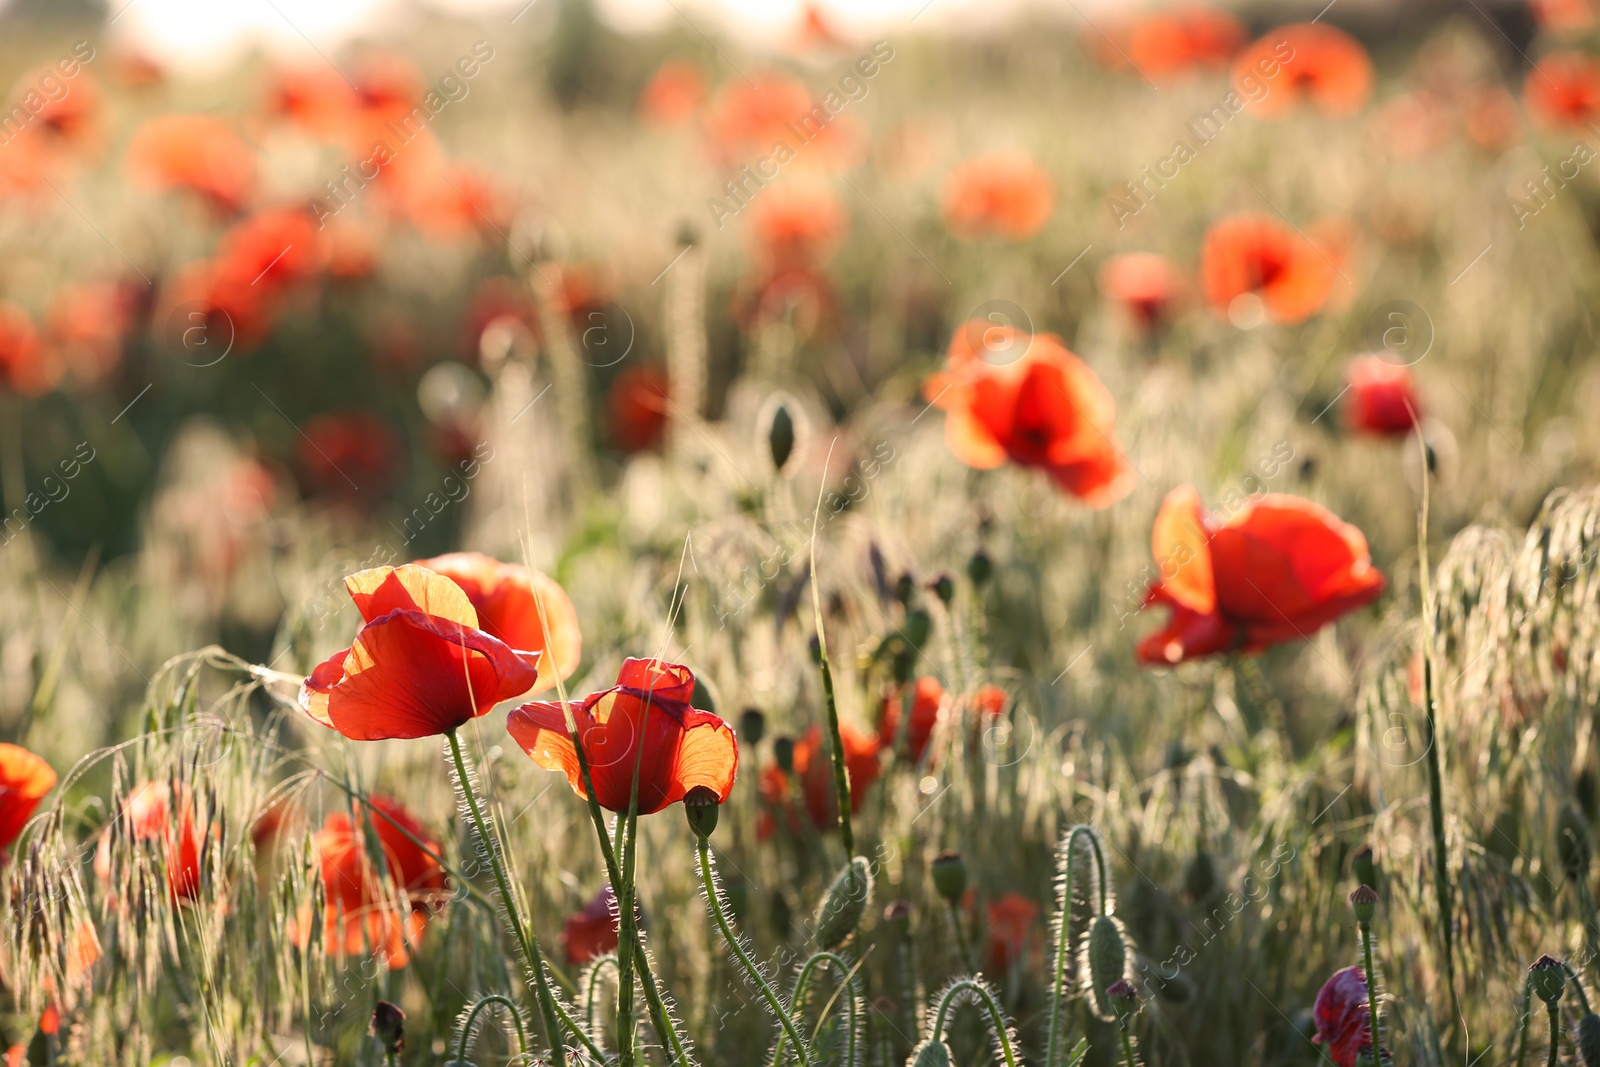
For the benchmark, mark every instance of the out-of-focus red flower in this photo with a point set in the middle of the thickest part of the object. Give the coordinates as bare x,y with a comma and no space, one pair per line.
26,163
748,116
1563,16
1257,254
454,201
362,910
637,408
87,324
813,775
24,781
1492,120
68,119
1012,938
592,932
1324,66
795,226
212,309
1382,397
1413,124
673,94
816,30
348,455
646,719
1563,89
989,702
194,152
1003,194
1147,285
1182,38
419,665
508,599
133,69
1279,570
1343,1020
152,814
271,250
803,293
1009,395
927,702
24,367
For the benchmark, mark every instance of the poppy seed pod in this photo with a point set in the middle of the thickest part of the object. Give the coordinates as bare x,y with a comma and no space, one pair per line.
843,904
905,587
389,1026
897,917
1108,962
1548,979
918,625
1364,902
944,587
1124,999
783,754
752,726
1365,870
1588,1040
980,568
701,807
930,1054
949,875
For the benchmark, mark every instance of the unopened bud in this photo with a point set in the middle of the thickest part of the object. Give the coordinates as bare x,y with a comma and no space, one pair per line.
1588,1040
980,568
752,726
949,871
897,917
944,587
389,1027
844,903
904,587
783,753
781,436
1124,999
930,1054
1108,961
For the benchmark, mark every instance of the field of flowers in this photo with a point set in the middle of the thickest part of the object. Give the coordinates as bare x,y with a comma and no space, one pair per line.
1068,541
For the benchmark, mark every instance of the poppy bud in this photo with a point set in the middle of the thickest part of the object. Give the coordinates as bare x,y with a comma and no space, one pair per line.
944,587
1588,1040
1365,870
904,587
1124,999
897,917
1572,842
1548,978
780,437
389,1027
752,726
1108,962
980,568
843,904
702,697
783,753
949,875
930,1054
1364,902
701,808
916,629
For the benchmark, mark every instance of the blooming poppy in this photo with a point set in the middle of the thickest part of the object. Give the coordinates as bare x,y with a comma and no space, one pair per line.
515,604
645,719
362,910
213,310
673,94
24,367
813,767
795,226
1011,938
70,118
194,152
1382,397
1278,570
1003,194
347,455
591,932
637,408
24,781
1182,38
87,325
152,814
1009,395
1342,1016
419,665
1254,254
1310,61
1145,284
927,701
272,249
749,117
1563,89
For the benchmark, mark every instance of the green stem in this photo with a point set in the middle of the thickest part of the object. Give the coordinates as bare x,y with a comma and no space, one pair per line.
841,778
714,901
472,1017
997,1019
1555,1035
1576,985
593,984
802,985
526,943
1127,1049
961,938
1527,1020
1064,928
1372,990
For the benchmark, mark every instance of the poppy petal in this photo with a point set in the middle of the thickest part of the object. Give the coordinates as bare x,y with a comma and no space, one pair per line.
1181,543
380,590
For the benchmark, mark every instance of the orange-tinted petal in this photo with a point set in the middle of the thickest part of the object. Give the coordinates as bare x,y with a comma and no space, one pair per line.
1181,543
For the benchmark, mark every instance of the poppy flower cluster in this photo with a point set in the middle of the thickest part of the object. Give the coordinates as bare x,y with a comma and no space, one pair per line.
25,779
748,118
351,456
1003,195
591,932
1008,395
199,154
793,230
1278,570
1011,937
638,408
673,94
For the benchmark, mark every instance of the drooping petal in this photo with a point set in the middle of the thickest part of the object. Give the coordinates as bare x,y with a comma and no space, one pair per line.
515,604
1181,544
381,590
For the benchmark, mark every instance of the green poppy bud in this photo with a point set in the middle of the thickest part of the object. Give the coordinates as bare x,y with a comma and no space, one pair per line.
980,568
1108,962
843,904
752,726
930,1054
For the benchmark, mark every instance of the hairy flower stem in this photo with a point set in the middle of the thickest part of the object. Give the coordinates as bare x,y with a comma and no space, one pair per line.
841,777
1555,1035
997,1019
714,902
802,985
1064,929
526,942
1372,989
472,1017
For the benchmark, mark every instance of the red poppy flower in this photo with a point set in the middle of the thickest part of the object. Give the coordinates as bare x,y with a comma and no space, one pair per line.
507,598
24,781
149,817
69,119
673,94
927,701
1342,1016
637,408
1182,38
1492,122
363,910
1144,283
24,367
272,249
194,152
813,767
1035,404
1382,398
419,665
592,932
795,226
87,325
1012,938
452,201
802,293
348,455
1257,254
1004,194
1279,570
645,719
1326,66
214,310
748,117
989,702
1563,16
1563,89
